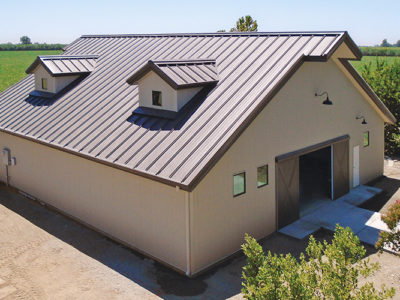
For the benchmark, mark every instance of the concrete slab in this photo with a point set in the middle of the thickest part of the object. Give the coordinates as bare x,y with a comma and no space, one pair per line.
300,229
368,235
343,211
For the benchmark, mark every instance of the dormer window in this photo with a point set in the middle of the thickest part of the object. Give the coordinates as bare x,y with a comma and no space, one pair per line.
44,84
165,87
55,73
157,98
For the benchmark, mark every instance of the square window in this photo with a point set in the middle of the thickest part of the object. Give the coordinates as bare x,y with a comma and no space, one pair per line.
262,176
44,83
366,139
239,184
157,100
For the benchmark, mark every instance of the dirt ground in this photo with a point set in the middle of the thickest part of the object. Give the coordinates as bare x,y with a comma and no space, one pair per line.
44,255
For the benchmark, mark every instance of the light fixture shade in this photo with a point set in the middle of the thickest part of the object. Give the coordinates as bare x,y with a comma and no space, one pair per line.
327,101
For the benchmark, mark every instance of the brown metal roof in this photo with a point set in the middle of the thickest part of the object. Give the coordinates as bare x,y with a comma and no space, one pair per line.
58,65
94,120
180,73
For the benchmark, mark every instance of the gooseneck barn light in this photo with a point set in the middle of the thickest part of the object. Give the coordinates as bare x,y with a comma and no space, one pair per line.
326,101
363,119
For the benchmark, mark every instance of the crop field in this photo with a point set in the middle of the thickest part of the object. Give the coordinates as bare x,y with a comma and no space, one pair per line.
372,60
14,63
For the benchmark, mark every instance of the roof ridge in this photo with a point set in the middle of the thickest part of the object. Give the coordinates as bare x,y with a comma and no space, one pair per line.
66,56
258,33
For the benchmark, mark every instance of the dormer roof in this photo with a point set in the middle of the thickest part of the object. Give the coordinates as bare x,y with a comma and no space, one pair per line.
61,65
180,74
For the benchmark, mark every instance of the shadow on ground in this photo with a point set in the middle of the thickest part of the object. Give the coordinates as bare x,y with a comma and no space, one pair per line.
382,201
221,282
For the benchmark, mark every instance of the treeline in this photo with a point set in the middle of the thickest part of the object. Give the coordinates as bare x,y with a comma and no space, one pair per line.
22,47
380,51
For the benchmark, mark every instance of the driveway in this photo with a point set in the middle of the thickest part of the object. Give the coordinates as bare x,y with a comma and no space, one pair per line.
45,255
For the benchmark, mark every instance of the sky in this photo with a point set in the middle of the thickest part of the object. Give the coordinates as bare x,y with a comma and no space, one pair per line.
368,22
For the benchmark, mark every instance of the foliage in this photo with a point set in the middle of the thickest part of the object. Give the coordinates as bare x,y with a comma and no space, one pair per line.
14,63
385,81
358,64
330,271
381,51
26,47
391,239
25,40
244,24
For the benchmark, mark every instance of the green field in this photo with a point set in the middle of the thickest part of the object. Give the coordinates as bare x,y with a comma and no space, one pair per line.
372,59
14,63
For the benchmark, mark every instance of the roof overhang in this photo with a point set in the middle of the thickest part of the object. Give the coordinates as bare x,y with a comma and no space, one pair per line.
57,65
163,69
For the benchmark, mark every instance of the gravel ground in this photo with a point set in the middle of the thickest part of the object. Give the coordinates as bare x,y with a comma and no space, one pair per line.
44,255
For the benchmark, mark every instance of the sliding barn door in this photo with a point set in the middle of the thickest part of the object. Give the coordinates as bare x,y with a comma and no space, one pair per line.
287,187
340,169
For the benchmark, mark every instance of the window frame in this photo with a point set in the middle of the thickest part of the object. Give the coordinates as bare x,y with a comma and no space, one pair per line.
368,140
267,176
244,183
160,98
44,84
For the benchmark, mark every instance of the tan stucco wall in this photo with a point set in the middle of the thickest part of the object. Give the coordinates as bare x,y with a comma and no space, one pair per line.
152,82
172,99
54,84
145,214
294,119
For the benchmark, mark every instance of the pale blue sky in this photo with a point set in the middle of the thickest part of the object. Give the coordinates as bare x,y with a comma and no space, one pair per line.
368,22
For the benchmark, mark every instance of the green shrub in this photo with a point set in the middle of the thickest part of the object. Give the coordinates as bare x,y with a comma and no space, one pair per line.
330,271
391,239
380,51
25,47
384,78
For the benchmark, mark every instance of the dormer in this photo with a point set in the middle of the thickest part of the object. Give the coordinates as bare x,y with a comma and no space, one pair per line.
53,73
167,86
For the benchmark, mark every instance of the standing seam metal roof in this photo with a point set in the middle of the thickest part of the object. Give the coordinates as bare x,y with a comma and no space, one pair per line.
180,73
95,119
58,65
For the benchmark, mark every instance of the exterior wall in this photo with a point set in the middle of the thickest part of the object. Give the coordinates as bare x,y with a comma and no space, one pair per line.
294,119
54,84
152,82
145,214
40,73
62,81
172,99
185,95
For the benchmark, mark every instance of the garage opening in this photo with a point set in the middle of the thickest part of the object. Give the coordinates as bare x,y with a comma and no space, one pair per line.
315,179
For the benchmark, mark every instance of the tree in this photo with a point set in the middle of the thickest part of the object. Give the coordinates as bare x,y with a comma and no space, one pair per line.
331,271
384,78
397,44
391,239
25,40
245,24
385,43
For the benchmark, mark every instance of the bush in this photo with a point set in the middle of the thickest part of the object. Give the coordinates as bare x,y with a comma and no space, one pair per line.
385,81
391,239
380,51
24,47
330,272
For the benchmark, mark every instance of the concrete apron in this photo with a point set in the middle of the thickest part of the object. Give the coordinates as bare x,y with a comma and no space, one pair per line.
364,223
